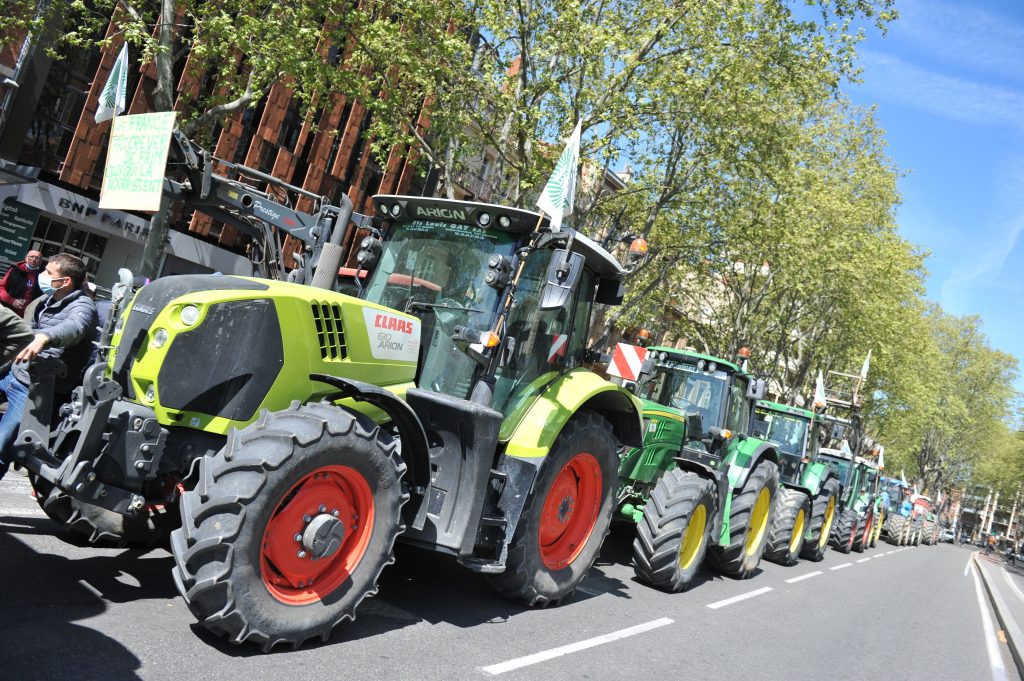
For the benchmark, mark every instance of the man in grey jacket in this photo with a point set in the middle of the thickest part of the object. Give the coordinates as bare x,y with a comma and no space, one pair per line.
64,327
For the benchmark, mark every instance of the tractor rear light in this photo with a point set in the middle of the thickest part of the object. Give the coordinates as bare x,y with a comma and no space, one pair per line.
159,338
189,315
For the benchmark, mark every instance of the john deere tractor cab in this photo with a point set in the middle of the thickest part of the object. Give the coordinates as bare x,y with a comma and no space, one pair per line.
296,432
702,483
805,508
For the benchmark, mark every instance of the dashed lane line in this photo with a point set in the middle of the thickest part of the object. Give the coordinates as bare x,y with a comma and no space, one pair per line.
545,655
995,660
864,560
803,577
840,567
890,552
742,597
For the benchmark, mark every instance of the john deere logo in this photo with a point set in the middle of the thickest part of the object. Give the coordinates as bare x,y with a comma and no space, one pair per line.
444,213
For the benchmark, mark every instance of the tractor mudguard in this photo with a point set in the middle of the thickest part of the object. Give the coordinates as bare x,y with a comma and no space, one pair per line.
814,477
721,486
579,389
801,488
744,456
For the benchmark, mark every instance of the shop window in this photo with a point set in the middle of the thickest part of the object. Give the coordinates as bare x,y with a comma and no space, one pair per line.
52,237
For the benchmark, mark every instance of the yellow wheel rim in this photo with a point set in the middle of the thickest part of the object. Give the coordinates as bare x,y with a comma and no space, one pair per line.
758,521
798,532
826,525
693,537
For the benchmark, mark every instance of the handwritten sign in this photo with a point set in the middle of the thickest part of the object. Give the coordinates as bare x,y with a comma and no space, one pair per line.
136,158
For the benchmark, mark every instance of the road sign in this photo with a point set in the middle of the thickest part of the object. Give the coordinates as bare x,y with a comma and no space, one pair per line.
133,177
626,361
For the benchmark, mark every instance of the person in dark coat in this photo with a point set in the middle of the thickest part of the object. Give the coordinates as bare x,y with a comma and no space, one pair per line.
15,334
20,285
64,327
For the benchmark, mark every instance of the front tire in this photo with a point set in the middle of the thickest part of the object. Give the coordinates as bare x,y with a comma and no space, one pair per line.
289,526
822,520
749,518
788,527
672,537
566,516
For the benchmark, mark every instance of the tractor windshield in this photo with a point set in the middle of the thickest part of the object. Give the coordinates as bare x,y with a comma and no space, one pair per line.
841,467
789,432
436,271
682,387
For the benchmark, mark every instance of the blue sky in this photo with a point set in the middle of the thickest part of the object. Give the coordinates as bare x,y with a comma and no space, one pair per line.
948,81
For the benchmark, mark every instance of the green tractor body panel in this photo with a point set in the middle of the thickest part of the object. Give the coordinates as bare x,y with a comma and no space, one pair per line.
813,477
288,334
531,427
664,429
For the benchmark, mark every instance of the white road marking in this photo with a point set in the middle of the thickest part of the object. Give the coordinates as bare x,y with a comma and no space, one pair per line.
803,577
1009,580
840,567
969,562
880,555
995,660
545,655
864,560
890,552
742,597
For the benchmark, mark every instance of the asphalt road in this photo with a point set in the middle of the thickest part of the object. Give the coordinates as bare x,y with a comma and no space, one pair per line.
113,614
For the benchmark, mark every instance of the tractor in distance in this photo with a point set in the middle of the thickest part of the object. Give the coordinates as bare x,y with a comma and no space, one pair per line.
702,484
805,508
897,527
859,502
295,433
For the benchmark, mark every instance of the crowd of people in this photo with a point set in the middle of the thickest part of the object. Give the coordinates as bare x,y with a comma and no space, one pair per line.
48,311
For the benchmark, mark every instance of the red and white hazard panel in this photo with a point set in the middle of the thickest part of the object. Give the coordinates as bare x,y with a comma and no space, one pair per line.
559,344
626,361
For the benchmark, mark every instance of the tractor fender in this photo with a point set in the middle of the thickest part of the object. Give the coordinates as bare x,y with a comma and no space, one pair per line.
721,486
745,457
814,477
537,429
415,449
807,492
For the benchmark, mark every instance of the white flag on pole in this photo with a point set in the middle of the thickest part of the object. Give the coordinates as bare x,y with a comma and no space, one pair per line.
557,198
115,92
819,392
867,363
881,457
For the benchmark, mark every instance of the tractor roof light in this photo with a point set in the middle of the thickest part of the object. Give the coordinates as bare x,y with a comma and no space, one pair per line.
489,339
743,352
483,219
726,433
505,221
638,247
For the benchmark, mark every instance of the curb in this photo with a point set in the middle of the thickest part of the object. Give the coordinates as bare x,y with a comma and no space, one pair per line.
1014,635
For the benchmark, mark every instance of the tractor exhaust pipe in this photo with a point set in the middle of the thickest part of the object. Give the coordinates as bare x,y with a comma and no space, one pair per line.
331,254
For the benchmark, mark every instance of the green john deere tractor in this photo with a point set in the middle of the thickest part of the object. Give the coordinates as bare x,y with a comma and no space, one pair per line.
701,484
805,508
861,507
296,433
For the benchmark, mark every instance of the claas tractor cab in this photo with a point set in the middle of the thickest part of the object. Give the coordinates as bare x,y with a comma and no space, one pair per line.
702,484
806,506
282,436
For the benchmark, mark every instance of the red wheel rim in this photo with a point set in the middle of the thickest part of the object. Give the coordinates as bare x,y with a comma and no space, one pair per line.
298,579
570,511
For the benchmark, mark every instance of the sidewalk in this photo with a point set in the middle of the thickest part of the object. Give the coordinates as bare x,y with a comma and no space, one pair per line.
1005,585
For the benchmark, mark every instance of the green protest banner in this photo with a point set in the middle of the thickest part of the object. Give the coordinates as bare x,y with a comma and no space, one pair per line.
17,222
136,158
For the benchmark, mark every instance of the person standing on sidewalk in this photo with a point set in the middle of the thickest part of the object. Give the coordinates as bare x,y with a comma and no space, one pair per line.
20,285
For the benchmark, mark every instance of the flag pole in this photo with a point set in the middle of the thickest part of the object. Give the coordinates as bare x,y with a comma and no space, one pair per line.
509,299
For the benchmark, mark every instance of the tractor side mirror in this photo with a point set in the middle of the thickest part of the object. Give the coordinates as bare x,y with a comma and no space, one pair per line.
838,431
647,368
756,389
631,386
694,426
563,275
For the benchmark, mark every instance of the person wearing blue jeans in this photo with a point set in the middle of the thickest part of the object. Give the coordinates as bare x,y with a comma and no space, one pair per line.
64,327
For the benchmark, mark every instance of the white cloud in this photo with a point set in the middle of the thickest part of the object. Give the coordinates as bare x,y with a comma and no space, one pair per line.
901,82
965,35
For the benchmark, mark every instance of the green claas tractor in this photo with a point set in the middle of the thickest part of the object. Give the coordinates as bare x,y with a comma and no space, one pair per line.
805,508
701,484
296,433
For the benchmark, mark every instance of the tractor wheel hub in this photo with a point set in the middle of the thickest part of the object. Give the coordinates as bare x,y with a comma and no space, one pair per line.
323,536
565,509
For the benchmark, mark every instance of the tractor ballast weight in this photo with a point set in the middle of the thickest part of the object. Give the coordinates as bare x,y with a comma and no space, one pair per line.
300,432
701,483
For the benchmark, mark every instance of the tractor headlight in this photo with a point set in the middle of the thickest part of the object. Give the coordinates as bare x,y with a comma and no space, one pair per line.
189,315
159,338
151,393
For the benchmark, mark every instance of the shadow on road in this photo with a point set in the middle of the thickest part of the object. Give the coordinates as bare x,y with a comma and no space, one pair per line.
43,595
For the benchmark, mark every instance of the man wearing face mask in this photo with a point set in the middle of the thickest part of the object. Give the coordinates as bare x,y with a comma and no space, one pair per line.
64,327
20,284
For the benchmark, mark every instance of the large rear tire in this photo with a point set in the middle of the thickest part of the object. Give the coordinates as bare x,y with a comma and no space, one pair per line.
822,520
749,518
845,531
862,538
928,533
289,526
672,537
84,524
788,527
895,524
566,516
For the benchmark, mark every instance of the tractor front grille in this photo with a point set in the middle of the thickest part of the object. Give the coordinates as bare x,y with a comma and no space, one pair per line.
330,332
